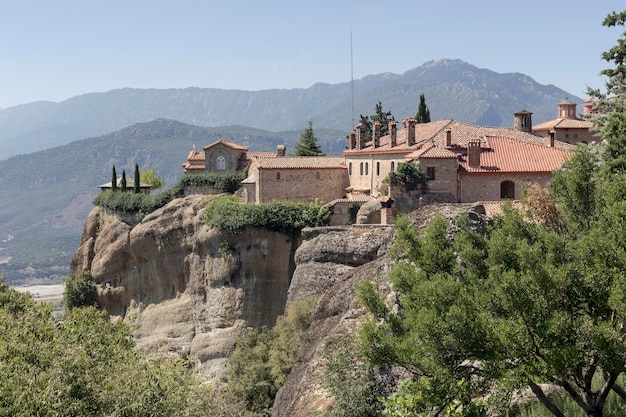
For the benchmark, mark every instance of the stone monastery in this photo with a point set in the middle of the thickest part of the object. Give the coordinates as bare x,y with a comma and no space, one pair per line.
465,162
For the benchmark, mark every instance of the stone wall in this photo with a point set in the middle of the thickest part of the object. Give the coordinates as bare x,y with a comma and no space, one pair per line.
230,156
363,172
301,185
486,187
445,174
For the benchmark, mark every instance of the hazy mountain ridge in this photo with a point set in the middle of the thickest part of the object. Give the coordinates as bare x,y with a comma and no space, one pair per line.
453,89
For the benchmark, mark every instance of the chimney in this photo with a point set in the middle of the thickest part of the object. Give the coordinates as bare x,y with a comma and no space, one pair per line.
281,149
552,132
352,140
473,153
361,135
409,125
393,133
449,138
523,121
376,134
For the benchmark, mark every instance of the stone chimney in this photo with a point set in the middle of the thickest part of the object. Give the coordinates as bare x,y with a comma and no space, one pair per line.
473,153
281,149
552,132
523,121
393,133
376,134
449,138
409,126
352,140
361,136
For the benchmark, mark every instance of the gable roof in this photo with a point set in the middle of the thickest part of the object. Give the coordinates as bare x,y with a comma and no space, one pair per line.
299,162
503,154
231,145
564,123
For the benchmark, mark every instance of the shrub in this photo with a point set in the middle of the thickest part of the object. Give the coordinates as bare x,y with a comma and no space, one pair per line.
288,217
409,175
80,291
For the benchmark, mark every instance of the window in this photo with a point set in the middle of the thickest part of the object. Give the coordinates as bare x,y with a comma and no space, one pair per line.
393,166
377,168
277,176
221,163
366,167
317,175
361,168
350,168
430,173
507,189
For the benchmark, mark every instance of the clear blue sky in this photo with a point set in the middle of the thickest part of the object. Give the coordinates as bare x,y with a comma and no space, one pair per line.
54,50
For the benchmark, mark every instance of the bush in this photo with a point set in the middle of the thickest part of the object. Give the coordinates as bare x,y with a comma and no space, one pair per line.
409,175
80,291
226,213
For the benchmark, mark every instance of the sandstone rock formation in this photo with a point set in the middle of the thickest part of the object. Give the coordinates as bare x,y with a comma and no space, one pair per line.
185,287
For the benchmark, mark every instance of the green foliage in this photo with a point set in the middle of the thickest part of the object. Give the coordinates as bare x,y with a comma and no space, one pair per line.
136,180
123,185
263,358
143,204
80,291
149,176
423,114
384,117
226,213
521,306
113,179
307,143
351,381
409,175
86,366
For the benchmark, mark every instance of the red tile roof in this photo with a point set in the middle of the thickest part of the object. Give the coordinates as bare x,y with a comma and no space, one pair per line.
299,162
503,154
564,123
232,145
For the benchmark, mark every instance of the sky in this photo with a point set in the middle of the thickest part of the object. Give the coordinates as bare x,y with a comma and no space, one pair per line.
54,50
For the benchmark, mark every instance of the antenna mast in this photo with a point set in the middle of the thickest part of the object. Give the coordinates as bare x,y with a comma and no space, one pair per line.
352,79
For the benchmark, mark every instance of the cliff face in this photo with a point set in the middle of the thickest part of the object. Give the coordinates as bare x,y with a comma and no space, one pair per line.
186,288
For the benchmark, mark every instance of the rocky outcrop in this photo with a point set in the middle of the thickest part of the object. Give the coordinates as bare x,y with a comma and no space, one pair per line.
338,312
186,288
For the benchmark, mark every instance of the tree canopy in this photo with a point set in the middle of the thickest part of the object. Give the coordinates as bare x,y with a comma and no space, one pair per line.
149,176
307,143
384,117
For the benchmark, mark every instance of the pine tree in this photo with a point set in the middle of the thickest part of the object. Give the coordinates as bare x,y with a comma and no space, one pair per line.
423,114
137,182
307,143
113,179
123,184
384,117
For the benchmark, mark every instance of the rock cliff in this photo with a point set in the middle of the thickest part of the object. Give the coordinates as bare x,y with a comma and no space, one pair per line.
186,288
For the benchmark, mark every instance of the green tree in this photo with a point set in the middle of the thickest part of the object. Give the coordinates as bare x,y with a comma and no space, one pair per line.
409,175
307,143
80,291
149,176
136,180
84,365
423,114
384,117
113,179
123,185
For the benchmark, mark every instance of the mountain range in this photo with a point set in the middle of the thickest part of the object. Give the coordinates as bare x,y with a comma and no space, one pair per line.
52,172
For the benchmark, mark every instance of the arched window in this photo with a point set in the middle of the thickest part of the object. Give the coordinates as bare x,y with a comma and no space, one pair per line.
278,176
366,167
377,168
507,189
350,168
221,163
361,168
393,166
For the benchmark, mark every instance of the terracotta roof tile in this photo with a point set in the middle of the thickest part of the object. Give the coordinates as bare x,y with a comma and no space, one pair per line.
299,162
564,123
432,152
232,145
509,155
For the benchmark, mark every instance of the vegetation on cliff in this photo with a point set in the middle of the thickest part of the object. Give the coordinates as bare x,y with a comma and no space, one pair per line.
263,359
84,365
144,204
288,217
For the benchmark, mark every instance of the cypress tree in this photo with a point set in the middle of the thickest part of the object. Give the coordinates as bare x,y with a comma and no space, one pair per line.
123,185
137,182
307,144
423,114
113,180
